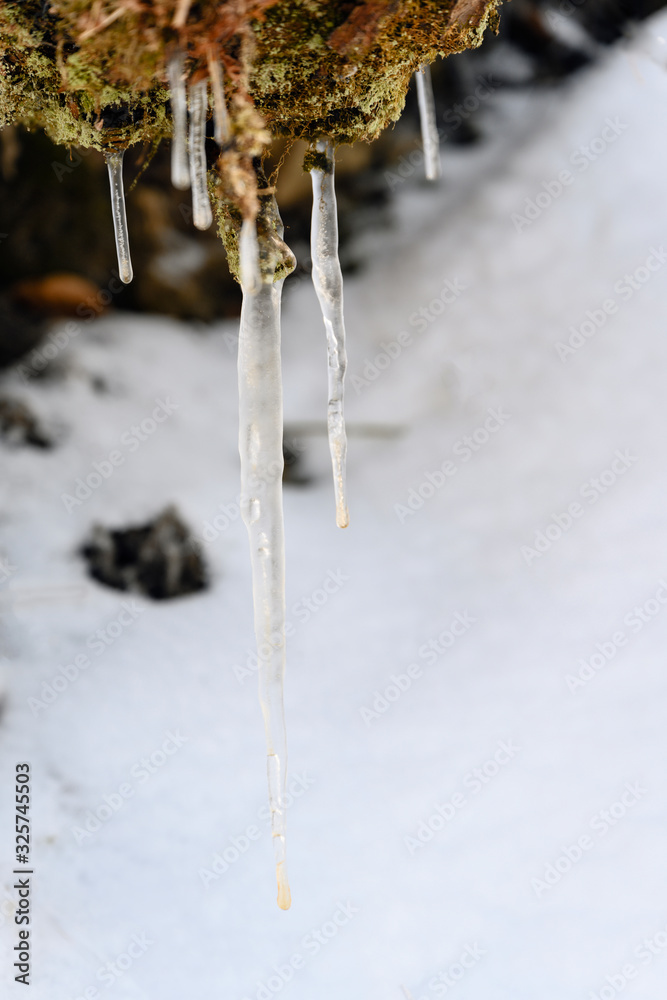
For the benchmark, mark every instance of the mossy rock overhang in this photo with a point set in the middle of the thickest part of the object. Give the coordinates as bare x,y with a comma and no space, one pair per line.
94,74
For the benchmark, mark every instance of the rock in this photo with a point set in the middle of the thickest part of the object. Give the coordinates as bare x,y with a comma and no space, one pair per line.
18,425
20,331
159,559
293,469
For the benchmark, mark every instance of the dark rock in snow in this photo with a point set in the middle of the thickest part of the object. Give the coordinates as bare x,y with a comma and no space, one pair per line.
20,331
159,559
293,470
18,425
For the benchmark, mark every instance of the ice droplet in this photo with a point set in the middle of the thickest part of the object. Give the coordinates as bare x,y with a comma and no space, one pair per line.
114,161
428,124
201,206
328,282
180,171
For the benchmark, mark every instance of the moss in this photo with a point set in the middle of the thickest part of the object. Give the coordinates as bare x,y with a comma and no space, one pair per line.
317,159
276,259
42,85
93,74
322,69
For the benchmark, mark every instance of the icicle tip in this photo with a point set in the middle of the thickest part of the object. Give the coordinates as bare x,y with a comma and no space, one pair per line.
284,894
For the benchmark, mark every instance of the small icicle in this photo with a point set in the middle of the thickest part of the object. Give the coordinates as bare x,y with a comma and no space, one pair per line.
201,206
428,123
180,172
221,128
328,282
260,446
114,160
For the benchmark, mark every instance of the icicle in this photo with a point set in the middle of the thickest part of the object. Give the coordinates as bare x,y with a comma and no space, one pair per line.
428,123
180,172
114,160
328,282
201,206
260,446
249,257
222,130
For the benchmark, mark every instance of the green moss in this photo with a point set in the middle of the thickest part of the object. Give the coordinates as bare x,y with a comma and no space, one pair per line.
320,70
276,260
306,69
65,93
229,220
317,159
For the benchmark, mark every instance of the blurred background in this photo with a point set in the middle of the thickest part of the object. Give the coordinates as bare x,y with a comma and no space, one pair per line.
475,688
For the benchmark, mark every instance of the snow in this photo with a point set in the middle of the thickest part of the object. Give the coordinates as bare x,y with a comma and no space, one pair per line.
362,604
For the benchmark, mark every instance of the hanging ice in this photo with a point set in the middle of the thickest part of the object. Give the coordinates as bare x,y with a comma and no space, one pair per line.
428,123
180,172
221,128
114,160
328,282
201,206
260,445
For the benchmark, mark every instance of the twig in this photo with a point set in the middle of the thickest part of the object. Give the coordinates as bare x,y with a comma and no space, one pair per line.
181,14
105,22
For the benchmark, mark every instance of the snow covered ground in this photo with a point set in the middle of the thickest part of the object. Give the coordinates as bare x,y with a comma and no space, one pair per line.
476,711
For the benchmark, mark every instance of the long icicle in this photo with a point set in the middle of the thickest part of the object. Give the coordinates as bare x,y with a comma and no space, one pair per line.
328,282
201,206
428,123
114,161
180,171
260,446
